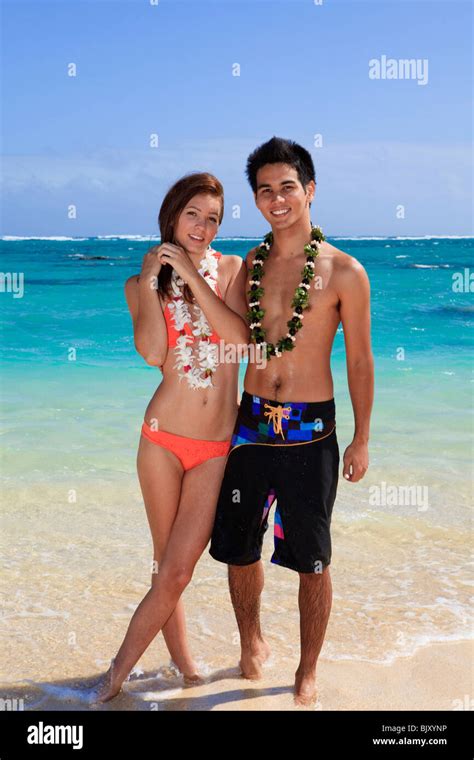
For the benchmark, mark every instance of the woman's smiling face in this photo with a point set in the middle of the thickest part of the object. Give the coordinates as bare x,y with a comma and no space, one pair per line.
198,223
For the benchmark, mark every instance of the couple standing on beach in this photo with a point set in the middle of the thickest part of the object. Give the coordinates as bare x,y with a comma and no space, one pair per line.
210,468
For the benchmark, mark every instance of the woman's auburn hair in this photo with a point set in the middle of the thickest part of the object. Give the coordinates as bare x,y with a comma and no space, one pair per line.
175,200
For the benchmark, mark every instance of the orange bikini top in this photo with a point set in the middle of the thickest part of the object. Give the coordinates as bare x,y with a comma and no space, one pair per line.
174,334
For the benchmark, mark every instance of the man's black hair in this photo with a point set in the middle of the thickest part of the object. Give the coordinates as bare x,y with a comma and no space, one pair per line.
280,151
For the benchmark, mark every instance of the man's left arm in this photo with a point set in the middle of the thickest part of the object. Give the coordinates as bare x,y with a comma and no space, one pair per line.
355,318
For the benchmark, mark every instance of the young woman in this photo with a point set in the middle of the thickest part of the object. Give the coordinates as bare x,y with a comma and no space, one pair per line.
186,303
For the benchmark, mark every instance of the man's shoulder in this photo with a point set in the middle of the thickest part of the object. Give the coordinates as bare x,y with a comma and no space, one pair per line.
348,274
343,262
249,257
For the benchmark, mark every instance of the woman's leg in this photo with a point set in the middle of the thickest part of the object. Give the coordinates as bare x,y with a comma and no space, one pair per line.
189,537
160,474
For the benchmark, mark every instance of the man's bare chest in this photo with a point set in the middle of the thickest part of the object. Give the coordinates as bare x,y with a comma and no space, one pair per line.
280,282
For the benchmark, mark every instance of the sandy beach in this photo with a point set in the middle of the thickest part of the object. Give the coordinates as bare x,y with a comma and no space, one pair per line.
436,677
390,645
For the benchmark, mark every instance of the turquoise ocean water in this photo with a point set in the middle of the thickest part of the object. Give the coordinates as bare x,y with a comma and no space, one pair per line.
400,572
73,298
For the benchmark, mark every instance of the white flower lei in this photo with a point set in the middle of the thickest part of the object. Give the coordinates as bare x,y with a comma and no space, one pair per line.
197,376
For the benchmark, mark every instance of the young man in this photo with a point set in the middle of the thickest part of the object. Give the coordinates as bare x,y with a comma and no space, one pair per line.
284,445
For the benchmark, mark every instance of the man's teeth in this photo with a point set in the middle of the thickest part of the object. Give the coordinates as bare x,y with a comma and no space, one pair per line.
281,212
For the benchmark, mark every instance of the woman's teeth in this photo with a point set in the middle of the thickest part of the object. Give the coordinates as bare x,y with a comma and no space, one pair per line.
198,239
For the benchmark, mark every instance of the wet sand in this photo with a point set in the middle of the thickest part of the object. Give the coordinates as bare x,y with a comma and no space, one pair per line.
436,677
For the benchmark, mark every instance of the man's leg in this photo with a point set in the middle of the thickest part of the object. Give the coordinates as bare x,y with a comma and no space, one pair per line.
303,536
246,585
315,597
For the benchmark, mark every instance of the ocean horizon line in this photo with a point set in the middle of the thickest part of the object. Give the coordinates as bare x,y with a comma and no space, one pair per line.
145,238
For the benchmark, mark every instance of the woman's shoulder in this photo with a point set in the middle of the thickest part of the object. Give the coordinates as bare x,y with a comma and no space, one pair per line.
229,260
132,281
132,290
230,267
131,287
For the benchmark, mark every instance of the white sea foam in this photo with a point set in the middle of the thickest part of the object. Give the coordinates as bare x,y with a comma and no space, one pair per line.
156,696
403,237
65,693
36,237
409,648
144,238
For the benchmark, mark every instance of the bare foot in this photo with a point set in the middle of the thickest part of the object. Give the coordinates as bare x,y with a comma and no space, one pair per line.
189,671
108,688
193,680
305,689
251,660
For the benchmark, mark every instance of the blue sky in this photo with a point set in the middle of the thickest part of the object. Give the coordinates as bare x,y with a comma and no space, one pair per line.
166,69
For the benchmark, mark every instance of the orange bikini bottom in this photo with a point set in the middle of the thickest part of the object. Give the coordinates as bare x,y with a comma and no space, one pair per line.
190,451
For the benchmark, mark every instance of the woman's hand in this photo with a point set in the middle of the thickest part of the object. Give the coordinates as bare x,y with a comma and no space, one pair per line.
179,260
151,264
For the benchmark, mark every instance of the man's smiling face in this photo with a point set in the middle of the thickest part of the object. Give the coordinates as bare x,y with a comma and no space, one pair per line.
280,196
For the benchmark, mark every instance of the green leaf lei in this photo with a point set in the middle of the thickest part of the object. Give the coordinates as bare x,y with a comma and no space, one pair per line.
300,300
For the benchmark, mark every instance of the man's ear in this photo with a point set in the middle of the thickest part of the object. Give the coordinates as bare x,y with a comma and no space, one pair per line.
311,190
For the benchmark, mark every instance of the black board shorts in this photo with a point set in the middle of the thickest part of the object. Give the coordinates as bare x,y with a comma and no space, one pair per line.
287,454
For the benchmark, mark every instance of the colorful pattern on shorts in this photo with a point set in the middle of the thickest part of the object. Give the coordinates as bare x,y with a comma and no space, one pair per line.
261,420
